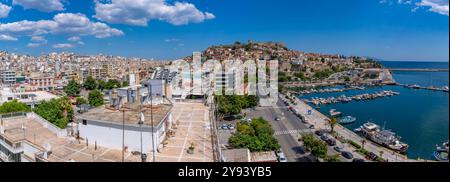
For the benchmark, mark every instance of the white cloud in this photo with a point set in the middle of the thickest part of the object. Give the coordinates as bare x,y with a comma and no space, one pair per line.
63,46
171,40
76,39
4,10
140,12
41,5
437,6
63,23
33,45
37,41
7,37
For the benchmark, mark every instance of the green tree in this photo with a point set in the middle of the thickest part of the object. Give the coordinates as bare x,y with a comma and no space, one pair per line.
57,111
317,147
90,83
256,136
81,100
13,106
332,122
95,98
101,84
111,83
73,88
125,84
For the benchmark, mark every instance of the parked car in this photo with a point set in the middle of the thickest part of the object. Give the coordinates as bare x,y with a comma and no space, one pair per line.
371,156
338,149
358,160
347,155
319,132
281,156
277,119
324,137
331,142
312,127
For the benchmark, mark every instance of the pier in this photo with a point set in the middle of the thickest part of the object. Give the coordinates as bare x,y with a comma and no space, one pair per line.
442,89
420,69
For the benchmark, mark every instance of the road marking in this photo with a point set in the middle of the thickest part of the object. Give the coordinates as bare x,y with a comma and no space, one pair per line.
288,132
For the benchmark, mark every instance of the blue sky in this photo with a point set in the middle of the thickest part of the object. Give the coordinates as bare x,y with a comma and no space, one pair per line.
406,30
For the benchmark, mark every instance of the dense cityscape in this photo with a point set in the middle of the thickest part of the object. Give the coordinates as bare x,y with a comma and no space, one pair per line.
66,107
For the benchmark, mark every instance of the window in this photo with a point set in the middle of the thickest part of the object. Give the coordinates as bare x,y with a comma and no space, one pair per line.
84,122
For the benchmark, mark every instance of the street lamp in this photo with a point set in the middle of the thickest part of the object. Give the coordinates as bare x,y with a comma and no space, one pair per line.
141,122
150,94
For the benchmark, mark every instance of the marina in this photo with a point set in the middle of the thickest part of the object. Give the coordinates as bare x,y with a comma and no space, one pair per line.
329,90
346,99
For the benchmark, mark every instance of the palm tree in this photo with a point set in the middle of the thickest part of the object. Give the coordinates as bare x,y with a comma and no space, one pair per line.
363,141
332,122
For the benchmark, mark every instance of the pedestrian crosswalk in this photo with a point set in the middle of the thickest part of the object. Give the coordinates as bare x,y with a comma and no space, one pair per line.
289,132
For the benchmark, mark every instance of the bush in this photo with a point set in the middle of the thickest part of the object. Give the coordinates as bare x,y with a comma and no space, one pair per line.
354,144
13,106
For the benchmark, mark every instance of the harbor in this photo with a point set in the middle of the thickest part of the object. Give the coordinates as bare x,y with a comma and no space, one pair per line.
420,114
319,120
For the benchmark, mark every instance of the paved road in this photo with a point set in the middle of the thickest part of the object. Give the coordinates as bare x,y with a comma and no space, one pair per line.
288,130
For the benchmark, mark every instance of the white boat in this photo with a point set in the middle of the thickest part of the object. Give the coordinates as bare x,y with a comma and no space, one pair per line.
334,112
383,137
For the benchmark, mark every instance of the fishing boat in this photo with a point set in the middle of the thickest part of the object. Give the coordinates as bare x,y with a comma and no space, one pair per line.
440,156
347,120
334,112
382,137
441,153
443,147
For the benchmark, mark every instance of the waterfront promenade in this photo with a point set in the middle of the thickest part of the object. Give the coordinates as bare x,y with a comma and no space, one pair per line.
320,121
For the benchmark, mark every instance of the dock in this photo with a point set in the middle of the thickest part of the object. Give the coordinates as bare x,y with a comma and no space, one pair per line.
347,99
420,69
433,88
